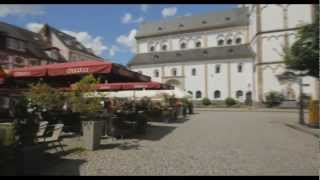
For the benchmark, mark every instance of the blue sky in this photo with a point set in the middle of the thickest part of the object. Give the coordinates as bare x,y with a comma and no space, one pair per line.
108,29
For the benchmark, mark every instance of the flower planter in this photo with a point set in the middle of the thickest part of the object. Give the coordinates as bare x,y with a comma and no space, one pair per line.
92,132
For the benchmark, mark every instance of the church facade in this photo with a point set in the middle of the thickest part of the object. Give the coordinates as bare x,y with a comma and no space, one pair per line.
235,53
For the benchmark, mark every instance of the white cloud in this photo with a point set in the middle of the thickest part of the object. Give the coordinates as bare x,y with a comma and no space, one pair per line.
113,50
95,43
144,7
170,11
129,40
128,18
20,10
34,27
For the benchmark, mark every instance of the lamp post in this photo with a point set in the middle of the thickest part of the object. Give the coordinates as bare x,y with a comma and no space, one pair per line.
301,113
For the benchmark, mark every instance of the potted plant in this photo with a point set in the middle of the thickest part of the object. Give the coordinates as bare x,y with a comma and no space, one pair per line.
90,109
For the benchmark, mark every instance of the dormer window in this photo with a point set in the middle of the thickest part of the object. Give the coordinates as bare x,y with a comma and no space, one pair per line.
205,52
220,42
227,18
230,50
238,41
156,57
18,60
204,22
181,25
164,47
229,41
178,54
198,44
159,28
183,45
151,48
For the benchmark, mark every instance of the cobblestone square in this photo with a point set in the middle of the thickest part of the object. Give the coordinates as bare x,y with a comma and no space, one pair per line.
208,143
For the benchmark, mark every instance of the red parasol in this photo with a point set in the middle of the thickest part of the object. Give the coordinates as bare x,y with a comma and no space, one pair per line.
130,86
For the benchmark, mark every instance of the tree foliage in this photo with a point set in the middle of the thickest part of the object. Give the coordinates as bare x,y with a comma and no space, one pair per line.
80,103
45,98
303,55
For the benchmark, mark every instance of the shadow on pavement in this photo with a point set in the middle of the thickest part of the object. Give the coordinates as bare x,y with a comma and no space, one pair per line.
155,132
39,162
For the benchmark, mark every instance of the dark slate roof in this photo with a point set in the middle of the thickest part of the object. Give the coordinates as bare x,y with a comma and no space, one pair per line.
71,42
35,43
203,54
230,18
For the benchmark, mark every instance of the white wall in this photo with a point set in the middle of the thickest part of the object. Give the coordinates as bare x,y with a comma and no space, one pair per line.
271,17
197,82
241,80
217,81
299,14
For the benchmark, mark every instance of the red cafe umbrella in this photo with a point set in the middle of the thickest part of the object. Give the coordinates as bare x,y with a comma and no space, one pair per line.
62,69
78,67
129,86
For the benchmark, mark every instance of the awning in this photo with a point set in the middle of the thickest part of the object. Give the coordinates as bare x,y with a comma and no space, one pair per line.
130,86
79,68
2,76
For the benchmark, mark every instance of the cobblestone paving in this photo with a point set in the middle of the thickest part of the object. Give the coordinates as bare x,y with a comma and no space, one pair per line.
209,143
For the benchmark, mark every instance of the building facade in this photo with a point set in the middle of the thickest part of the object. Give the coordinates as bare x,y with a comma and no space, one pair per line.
217,55
20,47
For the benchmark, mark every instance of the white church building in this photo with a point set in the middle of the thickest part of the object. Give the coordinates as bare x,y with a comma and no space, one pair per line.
235,53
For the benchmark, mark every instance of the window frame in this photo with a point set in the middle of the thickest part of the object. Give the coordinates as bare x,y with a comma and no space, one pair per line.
240,68
156,73
198,94
193,71
217,69
215,95
220,42
183,45
174,72
239,96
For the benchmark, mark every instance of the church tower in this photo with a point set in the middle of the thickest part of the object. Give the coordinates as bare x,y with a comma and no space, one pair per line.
273,27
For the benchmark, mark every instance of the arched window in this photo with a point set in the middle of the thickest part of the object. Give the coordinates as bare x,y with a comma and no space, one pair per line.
193,72
239,94
156,73
229,41
217,94
151,48
164,47
238,41
240,67
198,44
198,94
217,68
183,45
18,60
220,42
174,72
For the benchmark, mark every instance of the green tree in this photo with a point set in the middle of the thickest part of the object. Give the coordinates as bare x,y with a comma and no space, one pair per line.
45,97
78,100
303,55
